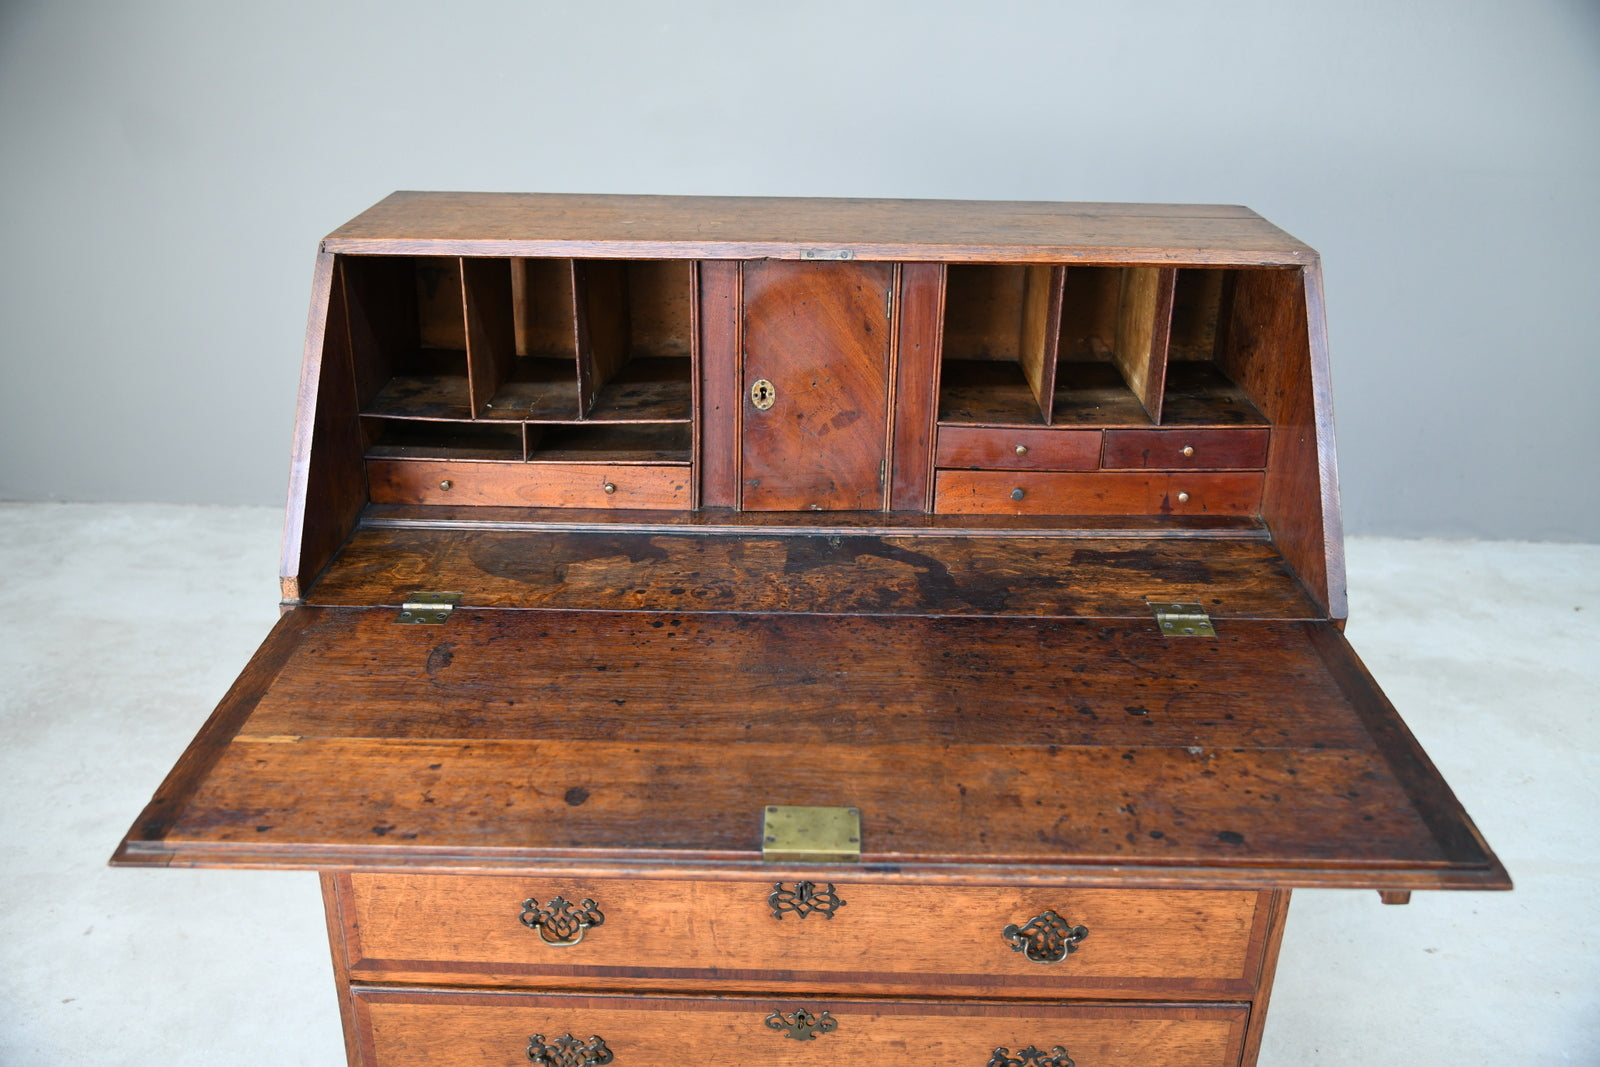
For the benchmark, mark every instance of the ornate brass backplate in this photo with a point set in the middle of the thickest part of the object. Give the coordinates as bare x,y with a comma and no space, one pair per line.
560,923
802,1025
1046,938
804,899
568,1051
1030,1057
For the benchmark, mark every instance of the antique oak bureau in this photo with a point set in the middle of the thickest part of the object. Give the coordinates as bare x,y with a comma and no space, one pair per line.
811,632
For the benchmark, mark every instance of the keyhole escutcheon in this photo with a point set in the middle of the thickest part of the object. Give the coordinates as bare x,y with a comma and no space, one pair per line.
762,394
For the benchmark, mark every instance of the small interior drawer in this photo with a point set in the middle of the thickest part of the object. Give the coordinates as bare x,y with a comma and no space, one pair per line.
670,934
456,1029
545,485
1096,493
1182,449
1015,448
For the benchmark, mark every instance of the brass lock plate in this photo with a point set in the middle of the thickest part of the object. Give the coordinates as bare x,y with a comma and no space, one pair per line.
810,835
762,394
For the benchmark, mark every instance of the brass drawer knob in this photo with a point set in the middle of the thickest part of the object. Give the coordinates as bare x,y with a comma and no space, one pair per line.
568,1051
1030,1057
1046,938
446,485
1018,493
1183,498
609,487
804,899
1022,450
802,1025
1188,450
560,923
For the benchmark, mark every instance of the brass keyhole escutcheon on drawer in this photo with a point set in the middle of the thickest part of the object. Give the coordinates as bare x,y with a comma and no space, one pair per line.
568,1051
804,899
567,922
1031,1057
1045,938
762,394
802,1025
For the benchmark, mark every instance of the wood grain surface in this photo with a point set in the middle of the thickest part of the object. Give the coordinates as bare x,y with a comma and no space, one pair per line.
1008,448
443,752
685,227
544,484
1241,449
843,571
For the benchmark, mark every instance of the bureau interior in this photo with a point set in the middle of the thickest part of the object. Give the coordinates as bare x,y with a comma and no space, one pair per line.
1139,397
1091,345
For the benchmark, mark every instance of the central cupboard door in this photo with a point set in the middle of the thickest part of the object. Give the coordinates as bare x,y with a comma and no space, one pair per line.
816,385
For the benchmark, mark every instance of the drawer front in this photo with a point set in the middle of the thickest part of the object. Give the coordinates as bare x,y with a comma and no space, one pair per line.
540,485
1096,493
1180,449
727,935
453,1029
995,448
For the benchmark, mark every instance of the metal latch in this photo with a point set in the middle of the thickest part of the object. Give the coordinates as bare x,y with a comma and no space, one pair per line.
427,609
1182,618
810,835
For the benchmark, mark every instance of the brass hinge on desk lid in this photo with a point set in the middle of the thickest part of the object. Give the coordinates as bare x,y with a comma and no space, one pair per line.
427,609
810,835
1182,618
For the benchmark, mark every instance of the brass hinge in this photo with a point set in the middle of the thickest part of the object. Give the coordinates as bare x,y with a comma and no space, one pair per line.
427,609
1182,618
827,253
810,835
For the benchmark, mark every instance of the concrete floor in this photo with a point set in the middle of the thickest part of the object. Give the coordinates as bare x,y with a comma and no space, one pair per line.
125,625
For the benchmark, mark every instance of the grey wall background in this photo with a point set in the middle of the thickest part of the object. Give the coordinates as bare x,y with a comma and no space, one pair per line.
166,170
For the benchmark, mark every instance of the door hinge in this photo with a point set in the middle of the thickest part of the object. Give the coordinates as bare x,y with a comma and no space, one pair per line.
835,254
1182,618
427,609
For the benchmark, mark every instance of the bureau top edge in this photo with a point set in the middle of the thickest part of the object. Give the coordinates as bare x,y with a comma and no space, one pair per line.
578,226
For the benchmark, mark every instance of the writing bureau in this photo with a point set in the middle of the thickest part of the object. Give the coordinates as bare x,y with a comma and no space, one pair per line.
820,630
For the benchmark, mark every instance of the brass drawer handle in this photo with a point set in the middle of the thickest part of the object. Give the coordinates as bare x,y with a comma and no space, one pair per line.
568,1051
802,1025
804,899
560,917
1046,938
1057,1057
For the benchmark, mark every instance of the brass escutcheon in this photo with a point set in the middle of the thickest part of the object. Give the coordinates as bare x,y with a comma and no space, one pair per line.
802,1025
762,394
568,1051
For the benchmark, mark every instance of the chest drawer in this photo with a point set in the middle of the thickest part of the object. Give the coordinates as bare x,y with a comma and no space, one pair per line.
1096,493
668,934
543,485
1010,448
1181,449
450,1029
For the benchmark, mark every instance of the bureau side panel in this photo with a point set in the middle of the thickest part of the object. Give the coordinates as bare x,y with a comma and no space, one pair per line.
327,486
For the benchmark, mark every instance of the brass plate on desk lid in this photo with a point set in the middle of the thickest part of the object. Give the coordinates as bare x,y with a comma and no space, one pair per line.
810,835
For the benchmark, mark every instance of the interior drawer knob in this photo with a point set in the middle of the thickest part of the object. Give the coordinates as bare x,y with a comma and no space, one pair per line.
1046,938
1188,450
609,487
561,923
1018,493
1030,1057
1022,450
568,1051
